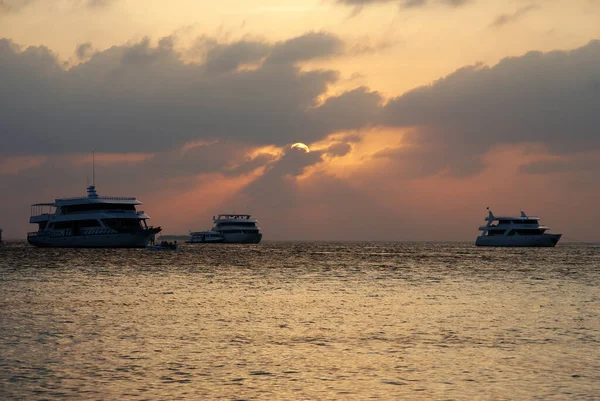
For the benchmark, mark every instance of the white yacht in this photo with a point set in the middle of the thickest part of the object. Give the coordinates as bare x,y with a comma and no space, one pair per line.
515,231
204,237
237,228
89,222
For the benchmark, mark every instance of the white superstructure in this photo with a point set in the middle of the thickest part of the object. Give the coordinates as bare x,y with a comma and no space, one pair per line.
515,231
237,228
91,221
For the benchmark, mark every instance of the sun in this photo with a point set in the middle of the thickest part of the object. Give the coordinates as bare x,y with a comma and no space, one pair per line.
300,145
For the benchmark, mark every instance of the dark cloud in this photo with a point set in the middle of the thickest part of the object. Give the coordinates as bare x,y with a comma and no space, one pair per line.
338,149
83,51
140,97
549,98
306,47
251,164
504,19
276,189
350,110
226,58
576,164
11,6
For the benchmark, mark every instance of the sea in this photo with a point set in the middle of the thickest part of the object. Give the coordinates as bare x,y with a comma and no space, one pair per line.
301,321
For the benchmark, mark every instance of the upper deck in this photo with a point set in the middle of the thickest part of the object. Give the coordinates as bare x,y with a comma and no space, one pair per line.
233,217
509,222
92,203
92,197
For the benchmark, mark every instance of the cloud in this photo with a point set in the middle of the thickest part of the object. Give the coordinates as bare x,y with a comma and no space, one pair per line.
574,164
504,19
306,47
15,6
226,58
141,97
83,51
547,98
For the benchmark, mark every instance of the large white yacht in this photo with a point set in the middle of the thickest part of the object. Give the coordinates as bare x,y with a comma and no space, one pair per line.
237,228
515,231
89,222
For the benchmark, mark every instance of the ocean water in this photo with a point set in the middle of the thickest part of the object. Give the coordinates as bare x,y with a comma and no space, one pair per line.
301,321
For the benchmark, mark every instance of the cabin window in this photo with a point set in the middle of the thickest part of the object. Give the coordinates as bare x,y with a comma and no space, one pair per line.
529,232
123,225
90,207
74,224
62,225
244,224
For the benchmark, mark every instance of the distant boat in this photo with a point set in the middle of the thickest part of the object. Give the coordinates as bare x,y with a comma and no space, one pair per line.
522,231
231,229
89,222
237,228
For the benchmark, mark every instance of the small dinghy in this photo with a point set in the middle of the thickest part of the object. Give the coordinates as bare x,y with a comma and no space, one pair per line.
163,246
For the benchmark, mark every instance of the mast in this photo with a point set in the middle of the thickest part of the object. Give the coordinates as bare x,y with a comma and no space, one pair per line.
93,168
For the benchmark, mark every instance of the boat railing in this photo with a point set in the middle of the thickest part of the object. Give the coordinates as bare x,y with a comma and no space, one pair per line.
69,232
42,210
98,197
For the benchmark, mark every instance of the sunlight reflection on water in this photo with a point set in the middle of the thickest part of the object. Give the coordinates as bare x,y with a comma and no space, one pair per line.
300,321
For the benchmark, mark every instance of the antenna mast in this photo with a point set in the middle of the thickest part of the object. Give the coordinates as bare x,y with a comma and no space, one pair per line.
93,168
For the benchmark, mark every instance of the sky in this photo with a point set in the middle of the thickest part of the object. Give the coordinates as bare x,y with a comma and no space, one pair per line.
418,114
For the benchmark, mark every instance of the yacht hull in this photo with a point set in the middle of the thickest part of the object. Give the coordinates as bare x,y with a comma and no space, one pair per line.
241,238
206,241
544,240
123,240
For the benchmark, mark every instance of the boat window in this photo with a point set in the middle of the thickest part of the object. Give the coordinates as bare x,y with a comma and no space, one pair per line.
123,225
240,224
61,225
532,231
495,232
89,207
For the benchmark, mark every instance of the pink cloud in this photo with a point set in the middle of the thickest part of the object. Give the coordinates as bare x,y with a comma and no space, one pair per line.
13,165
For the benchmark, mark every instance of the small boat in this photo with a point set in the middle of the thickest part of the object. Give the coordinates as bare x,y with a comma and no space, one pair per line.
204,237
519,231
163,246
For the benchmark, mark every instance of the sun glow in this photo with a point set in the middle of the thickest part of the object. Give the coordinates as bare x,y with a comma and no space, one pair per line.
302,146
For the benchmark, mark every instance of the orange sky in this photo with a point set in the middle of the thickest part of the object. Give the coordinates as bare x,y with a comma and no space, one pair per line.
418,118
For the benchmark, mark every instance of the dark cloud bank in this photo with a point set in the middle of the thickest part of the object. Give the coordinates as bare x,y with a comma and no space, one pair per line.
144,98
548,98
141,97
